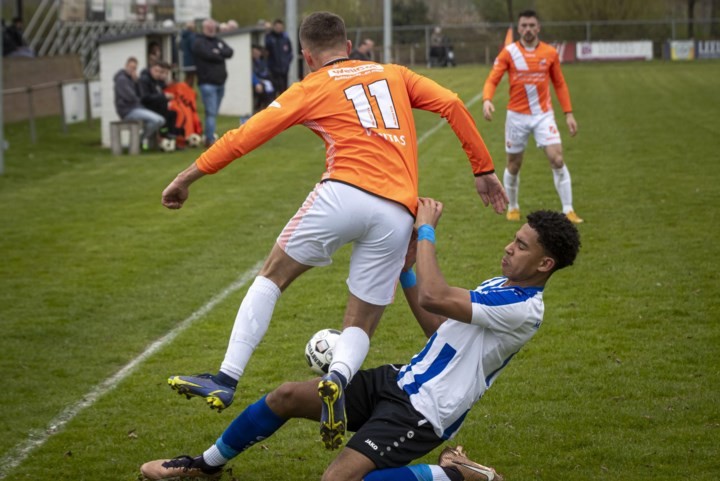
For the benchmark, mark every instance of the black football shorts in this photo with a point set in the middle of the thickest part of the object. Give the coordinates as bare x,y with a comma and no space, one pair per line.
388,429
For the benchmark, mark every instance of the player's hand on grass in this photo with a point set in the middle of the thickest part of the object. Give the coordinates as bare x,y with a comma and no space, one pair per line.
492,192
571,123
488,110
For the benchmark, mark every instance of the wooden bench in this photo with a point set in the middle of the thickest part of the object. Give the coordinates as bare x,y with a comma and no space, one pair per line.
116,129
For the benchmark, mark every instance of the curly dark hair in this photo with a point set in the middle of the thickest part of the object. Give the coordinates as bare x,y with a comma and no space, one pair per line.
557,235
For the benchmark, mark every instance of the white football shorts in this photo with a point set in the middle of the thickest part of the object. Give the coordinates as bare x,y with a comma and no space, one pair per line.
335,214
518,128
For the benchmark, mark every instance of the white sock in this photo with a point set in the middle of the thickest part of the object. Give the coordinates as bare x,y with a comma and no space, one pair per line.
563,185
438,473
512,186
213,457
350,352
251,323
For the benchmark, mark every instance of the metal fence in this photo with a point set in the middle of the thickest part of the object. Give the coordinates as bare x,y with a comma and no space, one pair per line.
479,43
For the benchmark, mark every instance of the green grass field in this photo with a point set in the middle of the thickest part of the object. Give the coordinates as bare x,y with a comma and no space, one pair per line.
620,383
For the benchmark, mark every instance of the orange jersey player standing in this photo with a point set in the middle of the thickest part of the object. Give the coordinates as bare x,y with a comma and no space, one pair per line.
367,196
531,66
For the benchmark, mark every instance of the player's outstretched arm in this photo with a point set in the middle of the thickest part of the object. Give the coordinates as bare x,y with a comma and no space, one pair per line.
177,192
434,293
492,192
428,321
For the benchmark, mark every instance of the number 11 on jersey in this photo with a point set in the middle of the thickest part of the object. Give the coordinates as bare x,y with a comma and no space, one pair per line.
381,92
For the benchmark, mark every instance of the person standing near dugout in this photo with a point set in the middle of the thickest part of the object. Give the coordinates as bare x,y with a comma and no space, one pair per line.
210,54
531,66
367,196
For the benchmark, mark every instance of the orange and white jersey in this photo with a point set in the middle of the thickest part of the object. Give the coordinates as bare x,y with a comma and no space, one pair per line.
363,112
530,73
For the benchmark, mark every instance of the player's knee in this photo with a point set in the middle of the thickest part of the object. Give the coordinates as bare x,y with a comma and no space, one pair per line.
333,473
514,162
556,161
284,400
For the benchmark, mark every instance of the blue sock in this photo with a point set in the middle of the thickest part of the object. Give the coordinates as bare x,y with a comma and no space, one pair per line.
416,472
254,424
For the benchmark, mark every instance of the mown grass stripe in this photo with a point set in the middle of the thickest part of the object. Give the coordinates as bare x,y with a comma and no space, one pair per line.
37,438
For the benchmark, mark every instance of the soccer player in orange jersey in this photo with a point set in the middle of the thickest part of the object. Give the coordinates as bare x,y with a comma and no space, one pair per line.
531,66
367,196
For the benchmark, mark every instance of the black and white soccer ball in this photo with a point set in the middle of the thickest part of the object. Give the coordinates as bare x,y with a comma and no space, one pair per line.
167,144
319,350
194,140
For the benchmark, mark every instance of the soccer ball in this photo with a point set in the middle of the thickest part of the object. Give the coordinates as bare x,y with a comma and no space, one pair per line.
167,145
319,350
194,140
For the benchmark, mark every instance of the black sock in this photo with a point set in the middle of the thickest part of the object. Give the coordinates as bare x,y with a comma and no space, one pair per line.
199,462
343,381
453,473
225,380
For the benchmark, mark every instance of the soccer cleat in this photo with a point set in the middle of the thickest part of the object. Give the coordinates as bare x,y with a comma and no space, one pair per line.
332,421
218,396
513,215
573,217
180,467
471,471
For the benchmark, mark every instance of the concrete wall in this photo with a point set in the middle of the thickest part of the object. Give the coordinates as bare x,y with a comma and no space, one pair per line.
24,72
238,100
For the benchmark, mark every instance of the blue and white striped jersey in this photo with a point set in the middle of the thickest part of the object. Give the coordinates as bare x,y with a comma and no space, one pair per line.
461,361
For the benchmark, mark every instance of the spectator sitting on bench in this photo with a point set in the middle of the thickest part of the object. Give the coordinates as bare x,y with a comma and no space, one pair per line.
128,105
152,85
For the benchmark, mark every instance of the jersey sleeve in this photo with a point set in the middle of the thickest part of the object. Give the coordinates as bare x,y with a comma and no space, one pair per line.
561,88
286,111
500,66
498,310
427,94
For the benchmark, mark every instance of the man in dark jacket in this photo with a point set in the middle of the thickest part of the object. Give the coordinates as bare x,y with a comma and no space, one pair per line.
210,54
152,85
280,54
128,105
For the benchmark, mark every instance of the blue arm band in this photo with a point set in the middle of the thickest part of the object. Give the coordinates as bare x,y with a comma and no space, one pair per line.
426,232
407,279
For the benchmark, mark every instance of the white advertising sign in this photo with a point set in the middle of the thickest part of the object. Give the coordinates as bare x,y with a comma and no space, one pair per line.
631,50
189,10
74,105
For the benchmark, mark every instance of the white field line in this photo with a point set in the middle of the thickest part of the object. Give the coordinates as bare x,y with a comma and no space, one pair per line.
443,122
36,438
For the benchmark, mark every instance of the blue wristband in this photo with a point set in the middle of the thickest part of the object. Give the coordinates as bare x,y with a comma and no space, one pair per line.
407,279
426,232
